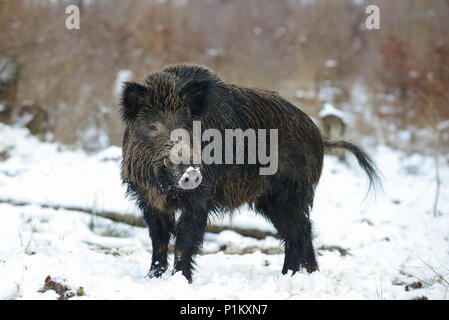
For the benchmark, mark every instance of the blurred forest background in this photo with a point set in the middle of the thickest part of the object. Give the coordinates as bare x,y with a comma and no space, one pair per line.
393,82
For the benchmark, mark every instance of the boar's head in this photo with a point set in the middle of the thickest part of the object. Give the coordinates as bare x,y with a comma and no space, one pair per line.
150,112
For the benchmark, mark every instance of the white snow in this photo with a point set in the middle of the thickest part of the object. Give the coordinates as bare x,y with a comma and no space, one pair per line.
122,76
392,240
214,52
443,125
7,70
330,63
330,110
300,94
328,93
45,173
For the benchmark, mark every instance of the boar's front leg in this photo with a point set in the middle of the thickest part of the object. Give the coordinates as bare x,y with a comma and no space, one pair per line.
161,226
190,231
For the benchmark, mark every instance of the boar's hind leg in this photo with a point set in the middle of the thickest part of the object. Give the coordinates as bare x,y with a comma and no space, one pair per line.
190,231
288,210
160,225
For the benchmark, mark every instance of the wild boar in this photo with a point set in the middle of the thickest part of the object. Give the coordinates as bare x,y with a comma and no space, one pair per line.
180,96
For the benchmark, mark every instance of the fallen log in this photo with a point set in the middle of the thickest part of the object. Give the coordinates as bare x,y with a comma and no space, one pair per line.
138,221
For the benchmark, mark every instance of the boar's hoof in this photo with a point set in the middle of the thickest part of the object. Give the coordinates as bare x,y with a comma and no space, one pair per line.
156,272
312,268
187,274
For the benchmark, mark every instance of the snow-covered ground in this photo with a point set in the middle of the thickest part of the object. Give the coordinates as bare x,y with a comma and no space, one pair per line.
395,247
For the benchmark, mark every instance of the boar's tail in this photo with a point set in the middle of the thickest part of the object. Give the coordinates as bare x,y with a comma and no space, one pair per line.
365,161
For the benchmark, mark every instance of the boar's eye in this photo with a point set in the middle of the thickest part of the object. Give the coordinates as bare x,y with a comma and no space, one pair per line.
147,128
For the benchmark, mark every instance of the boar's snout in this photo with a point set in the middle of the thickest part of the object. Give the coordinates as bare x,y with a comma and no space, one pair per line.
190,179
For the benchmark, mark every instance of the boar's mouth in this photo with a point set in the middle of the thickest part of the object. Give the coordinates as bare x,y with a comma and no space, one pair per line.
163,183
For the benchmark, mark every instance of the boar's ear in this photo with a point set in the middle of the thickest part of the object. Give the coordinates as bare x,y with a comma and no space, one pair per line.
134,97
194,94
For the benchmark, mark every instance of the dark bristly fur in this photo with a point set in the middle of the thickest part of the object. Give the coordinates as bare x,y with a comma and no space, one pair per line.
172,99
